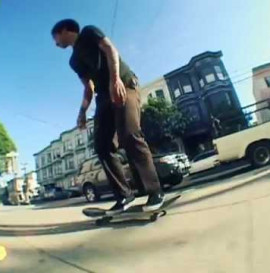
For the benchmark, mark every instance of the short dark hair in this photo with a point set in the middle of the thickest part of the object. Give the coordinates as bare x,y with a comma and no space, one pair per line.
67,24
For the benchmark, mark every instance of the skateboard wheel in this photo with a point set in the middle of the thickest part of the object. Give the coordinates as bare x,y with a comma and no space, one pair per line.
154,217
157,215
162,213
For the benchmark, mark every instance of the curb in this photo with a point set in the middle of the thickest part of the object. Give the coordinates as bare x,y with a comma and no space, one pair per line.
227,186
224,175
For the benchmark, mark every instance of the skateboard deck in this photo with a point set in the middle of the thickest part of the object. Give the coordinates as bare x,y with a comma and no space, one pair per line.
133,213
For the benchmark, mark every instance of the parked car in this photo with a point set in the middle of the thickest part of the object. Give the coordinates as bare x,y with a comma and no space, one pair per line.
204,161
252,144
92,181
56,193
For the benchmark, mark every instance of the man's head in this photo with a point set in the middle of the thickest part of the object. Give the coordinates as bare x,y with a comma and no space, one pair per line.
65,32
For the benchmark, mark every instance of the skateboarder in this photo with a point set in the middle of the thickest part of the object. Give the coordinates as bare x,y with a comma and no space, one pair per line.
102,71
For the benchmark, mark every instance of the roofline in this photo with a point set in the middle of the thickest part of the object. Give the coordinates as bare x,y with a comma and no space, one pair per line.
152,82
260,67
60,137
195,59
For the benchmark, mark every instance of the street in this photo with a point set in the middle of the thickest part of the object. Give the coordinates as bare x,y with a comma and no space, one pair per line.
218,227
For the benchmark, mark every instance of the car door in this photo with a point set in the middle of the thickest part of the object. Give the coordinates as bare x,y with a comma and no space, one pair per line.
207,163
198,166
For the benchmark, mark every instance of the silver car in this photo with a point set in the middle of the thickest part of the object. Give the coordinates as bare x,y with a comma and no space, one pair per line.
92,182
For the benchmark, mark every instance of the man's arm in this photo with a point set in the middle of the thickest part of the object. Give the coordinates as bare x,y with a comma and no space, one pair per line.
87,98
117,88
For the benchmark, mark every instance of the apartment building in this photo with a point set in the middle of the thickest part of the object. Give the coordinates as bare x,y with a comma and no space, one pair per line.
58,163
155,89
203,89
10,163
261,91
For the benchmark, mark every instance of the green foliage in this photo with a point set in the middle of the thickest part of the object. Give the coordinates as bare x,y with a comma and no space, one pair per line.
2,165
162,122
6,143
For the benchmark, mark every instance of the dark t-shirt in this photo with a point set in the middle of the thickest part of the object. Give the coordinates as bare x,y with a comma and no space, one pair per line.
90,62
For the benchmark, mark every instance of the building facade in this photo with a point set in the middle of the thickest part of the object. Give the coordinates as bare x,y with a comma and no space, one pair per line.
58,164
155,89
22,189
10,163
261,91
203,91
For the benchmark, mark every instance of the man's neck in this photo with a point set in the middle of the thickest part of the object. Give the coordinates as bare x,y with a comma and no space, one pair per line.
73,38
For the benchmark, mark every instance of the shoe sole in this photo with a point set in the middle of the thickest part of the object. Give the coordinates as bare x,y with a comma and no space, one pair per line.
153,208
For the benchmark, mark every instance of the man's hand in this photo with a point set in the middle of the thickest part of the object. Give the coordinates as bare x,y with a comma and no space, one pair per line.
118,92
81,120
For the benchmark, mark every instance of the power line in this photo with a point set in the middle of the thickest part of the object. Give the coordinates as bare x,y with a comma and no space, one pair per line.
249,77
114,17
56,125
249,67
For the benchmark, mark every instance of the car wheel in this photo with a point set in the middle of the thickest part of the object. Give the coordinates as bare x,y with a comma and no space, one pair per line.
90,193
176,179
259,154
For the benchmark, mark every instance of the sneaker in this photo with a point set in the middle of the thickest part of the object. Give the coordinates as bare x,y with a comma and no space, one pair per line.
154,202
121,205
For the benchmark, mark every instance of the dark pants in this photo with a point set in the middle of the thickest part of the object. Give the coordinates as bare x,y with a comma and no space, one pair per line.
125,121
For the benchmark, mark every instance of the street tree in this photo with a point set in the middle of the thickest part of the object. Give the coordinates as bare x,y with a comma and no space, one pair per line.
6,146
162,124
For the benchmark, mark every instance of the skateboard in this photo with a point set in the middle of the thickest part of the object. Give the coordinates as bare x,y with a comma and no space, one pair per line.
133,213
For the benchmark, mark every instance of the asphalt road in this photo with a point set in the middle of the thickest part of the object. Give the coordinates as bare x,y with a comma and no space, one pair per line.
214,228
217,175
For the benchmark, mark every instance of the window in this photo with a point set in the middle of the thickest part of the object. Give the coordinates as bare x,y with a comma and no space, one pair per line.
97,164
208,74
176,92
267,80
187,88
160,94
90,133
37,164
56,153
68,146
70,163
58,168
210,78
38,176
150,96
49,157
50,172
44,174
228,99
185,83
43,161
79,139
91,148
193,112
220,102
81,157
203,156
201,82
219,72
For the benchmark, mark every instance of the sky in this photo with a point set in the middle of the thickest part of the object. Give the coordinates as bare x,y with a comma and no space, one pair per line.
40,95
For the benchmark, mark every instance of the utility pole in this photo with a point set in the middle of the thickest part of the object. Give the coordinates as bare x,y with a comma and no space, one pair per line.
24,168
